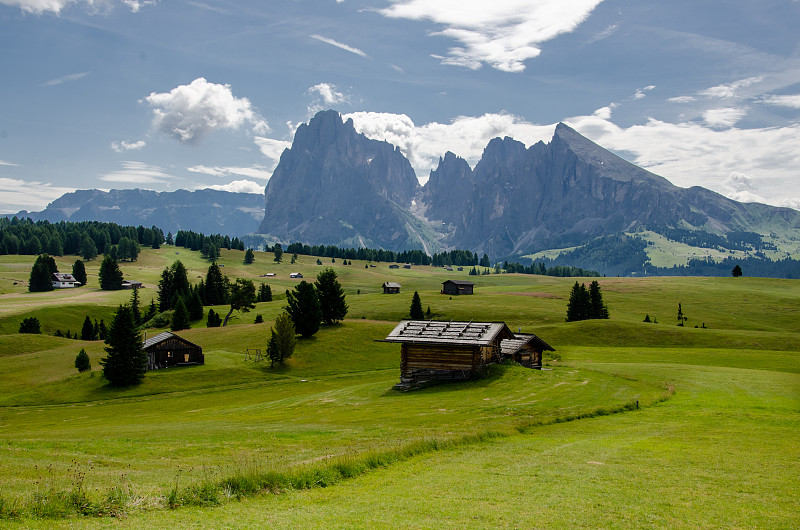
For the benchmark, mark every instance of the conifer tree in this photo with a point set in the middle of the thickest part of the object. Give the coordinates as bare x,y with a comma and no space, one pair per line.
125,362
214,320
87,331
282,339
180,317
41,278
249,257
110,275
137,314
597,308
304,308
88,248
278,253
579,304
79,272
331,296
416,307
82,362
216,286
265,293
30,325
195,306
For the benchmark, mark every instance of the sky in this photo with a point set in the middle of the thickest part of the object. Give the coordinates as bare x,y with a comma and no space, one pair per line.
191,94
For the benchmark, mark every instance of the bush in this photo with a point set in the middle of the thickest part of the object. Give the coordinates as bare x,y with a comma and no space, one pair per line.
30,325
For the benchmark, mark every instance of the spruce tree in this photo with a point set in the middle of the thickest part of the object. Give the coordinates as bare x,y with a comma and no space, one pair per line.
87,331
416,307
30,325
304,308
597,309
216,286
249,257
265,293
331,296
88,248
282,339
278,253
110,275
41,278
79,272
195,306
82,362
137,314
180,317
736,272
579,305
214,320
126,361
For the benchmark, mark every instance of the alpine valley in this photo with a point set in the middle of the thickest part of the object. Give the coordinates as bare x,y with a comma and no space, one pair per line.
567,201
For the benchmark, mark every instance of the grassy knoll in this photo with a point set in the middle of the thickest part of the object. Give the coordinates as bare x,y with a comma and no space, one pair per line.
722,451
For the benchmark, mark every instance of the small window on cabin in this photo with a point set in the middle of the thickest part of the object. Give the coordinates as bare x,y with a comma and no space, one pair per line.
169,354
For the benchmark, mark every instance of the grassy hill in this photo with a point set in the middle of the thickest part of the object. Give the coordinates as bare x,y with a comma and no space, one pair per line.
713,443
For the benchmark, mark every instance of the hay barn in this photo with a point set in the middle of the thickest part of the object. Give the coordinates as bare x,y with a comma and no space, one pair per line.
391,288
446,351
457,287
525,349
167,349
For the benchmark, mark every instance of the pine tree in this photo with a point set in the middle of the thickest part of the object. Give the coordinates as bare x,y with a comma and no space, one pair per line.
195,306
82,362
304,308
265,293
331,296
681,317
30,325
737,271
249,257
126,361
110,275
137,315
214,320
180,318
88,248
416,307
41,278
216,286
243,297
278,253
597,309
579,304
87,331
79,272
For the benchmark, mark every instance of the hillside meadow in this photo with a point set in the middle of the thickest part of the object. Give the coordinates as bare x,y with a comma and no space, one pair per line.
632,424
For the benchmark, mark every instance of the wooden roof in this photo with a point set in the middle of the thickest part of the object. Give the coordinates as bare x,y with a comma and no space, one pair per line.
455,333
458,282
512,346
162,337
391,284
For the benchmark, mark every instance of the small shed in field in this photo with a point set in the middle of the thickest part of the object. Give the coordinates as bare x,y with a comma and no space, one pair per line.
167,349
64,280
434,350
525,349
394,266
391,287
456,287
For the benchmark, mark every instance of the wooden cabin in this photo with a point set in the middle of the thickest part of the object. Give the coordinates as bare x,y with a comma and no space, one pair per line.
457,287
167,349
525,349
394,266
131,284
64,280
446,351
391,287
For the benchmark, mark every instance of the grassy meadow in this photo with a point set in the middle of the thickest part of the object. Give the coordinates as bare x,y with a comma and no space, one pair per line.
715,440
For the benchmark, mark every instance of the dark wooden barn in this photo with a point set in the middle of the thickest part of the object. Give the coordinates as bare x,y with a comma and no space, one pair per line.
446,351
391,288
167,349
456,287
525,349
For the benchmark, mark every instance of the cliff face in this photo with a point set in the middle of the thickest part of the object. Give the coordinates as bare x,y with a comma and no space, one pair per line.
564,193
335,186
208,211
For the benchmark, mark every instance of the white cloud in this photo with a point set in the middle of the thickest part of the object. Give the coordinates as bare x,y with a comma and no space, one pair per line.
339,45
4,163
39,7
725,117
791,101
138,173
259,172
325,96
64,79
730,90
640,92
501,34
125,145
682,99
191,112
272,149
610,30
32,196
239,186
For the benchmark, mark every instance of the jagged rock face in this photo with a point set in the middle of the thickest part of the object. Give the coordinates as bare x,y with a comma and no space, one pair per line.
335,186
208,211
561,194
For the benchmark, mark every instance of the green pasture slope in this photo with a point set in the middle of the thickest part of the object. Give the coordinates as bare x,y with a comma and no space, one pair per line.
233,443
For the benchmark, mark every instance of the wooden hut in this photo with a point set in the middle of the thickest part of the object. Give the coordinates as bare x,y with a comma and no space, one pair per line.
391,287
525,349
167,349
394,266
446,351
456,287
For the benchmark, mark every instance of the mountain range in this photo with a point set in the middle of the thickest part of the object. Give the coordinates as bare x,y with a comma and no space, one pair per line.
335,186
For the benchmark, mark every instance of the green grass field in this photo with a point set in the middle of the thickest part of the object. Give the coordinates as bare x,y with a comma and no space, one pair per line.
714,443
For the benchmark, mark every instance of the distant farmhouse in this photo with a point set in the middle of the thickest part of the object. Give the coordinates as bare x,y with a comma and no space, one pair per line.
434,350
64,280
456,287
394,266
391,288
167,349
131,284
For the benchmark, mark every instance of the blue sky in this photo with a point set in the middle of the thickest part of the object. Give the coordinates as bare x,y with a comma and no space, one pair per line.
191,94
